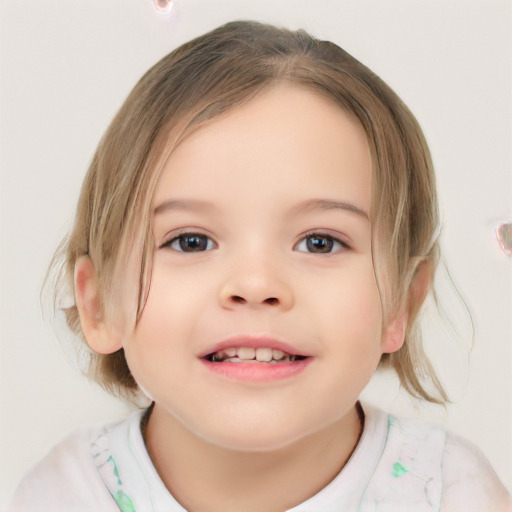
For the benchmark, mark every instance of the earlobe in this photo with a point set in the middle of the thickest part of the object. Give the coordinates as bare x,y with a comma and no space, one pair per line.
394,336
99,334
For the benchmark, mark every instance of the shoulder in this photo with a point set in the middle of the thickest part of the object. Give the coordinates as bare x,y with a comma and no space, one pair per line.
65,479
407,475
469,481
424,467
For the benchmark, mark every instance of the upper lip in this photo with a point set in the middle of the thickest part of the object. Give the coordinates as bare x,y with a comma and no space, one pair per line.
253,341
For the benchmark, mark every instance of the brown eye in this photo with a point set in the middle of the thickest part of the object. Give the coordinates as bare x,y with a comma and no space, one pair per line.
191,242
320,244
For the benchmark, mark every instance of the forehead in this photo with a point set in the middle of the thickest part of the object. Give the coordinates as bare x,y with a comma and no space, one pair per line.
288,142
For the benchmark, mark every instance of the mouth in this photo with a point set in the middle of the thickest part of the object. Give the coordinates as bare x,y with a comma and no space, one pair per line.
256,359
260,355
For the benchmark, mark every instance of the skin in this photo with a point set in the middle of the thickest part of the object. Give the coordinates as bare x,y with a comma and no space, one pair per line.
248,184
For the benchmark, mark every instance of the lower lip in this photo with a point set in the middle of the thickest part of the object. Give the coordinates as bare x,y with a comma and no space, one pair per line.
257,372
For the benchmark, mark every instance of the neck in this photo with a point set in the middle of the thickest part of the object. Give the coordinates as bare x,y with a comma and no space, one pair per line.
204,477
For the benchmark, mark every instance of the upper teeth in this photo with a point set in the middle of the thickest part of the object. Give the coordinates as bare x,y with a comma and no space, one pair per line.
234,354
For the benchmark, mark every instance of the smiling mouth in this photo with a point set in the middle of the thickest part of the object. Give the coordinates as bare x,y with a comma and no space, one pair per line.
252,355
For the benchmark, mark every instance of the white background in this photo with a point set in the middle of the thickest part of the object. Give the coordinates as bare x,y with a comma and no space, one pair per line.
67,65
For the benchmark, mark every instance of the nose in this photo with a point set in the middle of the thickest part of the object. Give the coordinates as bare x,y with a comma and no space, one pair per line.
257,285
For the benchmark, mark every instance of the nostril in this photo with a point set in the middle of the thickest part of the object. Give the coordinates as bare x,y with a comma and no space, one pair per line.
272,301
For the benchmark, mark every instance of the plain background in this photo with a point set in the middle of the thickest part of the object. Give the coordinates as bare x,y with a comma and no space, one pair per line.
67,65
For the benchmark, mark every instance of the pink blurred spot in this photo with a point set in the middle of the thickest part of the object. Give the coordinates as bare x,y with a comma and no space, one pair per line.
163,5
504,235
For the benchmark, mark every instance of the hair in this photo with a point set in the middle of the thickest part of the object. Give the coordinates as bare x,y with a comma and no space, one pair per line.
200,81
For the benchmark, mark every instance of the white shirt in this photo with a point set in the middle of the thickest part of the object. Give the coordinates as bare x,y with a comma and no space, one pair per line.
397,466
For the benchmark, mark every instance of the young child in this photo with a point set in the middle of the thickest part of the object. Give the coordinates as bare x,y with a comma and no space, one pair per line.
255,236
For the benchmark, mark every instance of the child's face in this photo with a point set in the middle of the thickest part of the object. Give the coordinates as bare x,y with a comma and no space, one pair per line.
262,241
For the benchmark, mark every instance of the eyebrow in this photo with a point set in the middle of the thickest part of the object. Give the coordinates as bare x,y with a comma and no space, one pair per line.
180,204
329,204
310,204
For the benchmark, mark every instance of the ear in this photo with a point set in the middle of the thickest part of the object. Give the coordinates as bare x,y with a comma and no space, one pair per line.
394,335
100,336
420,285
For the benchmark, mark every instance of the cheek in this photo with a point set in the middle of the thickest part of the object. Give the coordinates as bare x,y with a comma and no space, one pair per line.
355,304
177,305
175,296
155,337
151,351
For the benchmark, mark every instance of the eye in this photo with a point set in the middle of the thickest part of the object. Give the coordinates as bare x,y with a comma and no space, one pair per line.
190,242
320,244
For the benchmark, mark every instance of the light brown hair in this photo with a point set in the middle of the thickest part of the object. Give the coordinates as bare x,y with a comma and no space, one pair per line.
201,80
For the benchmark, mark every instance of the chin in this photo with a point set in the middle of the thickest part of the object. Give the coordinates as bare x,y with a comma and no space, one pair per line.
254,444
257,436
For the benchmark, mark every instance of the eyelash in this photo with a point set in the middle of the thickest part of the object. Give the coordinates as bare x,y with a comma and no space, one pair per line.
177,240
335,242
205,243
